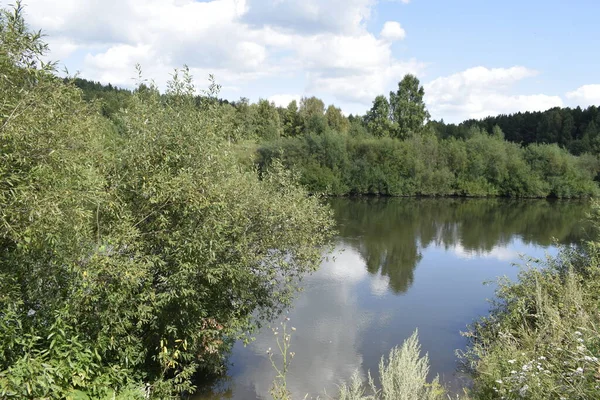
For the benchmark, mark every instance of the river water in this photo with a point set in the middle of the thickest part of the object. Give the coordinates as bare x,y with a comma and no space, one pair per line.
400,265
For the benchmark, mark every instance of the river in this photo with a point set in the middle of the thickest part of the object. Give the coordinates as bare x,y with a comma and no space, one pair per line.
400,265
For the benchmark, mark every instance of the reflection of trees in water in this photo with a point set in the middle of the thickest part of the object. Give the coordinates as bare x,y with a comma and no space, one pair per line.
389,233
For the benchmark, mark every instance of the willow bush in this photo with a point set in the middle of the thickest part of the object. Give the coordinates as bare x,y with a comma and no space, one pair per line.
132,253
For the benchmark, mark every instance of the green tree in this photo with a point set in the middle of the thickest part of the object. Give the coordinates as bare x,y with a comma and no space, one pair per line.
378,117
292,124
312,115
267,124
407,108
336,120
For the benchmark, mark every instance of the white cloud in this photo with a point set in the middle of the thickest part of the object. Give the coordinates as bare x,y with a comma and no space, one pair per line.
240,41
479,92
283,100
310,16
364,85
392,30
586,95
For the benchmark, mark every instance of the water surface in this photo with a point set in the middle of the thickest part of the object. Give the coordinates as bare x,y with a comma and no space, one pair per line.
401,265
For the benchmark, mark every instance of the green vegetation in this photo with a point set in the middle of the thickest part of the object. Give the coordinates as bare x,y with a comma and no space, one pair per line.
141,234
403,376
576,129
133,250
541,340
423,165
394,151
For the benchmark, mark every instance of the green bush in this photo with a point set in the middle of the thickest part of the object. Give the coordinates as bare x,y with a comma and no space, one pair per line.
541,340
132,256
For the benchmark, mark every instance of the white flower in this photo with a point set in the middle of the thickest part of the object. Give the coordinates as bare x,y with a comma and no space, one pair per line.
523,390
512,361
499,381
578,333
579,371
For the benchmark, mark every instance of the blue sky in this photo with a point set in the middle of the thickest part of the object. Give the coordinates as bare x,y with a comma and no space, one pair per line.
474,57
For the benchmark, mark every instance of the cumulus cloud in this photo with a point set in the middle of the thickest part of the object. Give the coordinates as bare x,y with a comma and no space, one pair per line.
283,100
586,95
240,41
392,30
479,92
310,16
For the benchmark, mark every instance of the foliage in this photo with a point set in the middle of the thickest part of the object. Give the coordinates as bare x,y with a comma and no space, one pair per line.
403,376
572,128
482,165
133,250
407,108
541,340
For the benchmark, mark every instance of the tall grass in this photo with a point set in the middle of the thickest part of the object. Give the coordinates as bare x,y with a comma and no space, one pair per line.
541,340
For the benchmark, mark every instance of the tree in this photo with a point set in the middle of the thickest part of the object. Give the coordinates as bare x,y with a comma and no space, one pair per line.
312,115
378,117
267,124
336,120
407,108
291,120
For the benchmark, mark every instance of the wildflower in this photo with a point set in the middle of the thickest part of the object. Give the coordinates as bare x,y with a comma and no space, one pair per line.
542,358
523,390
499,381
512,361
578,333
580,340
579,371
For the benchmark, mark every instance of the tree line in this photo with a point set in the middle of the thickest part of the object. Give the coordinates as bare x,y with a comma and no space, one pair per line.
395,150
575,129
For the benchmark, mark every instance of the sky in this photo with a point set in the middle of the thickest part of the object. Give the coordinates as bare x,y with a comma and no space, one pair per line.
474,57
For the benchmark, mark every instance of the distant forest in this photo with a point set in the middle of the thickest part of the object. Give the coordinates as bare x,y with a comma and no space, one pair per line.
576,129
